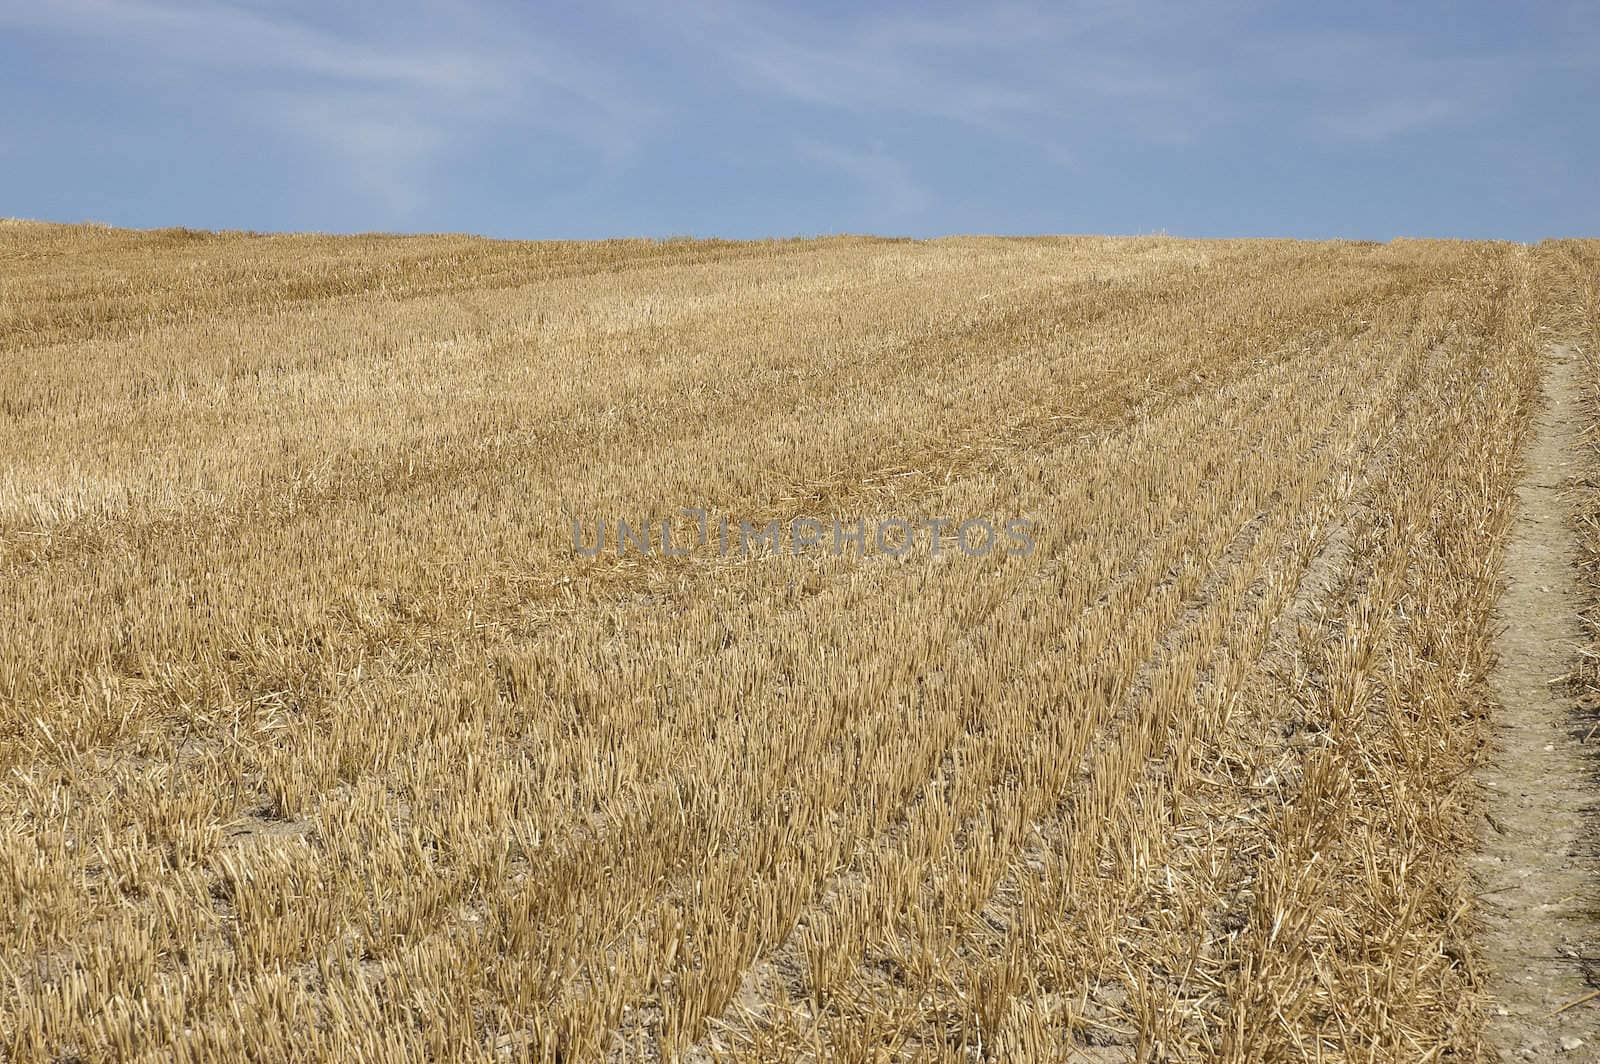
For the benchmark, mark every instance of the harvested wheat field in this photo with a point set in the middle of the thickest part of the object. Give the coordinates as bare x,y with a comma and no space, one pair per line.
329,731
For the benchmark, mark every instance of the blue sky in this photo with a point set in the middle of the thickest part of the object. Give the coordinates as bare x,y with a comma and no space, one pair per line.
745,119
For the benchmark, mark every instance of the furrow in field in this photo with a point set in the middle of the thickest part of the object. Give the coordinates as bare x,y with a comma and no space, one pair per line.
1252,405
906,963
502,803
693,772
1212,872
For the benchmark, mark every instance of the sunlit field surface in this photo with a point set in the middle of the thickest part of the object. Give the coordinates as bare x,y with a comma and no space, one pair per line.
320,741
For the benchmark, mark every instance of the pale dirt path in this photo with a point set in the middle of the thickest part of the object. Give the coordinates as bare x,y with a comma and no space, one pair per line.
1539,887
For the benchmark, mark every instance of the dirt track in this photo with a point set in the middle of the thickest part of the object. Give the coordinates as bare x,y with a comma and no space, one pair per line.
1537,882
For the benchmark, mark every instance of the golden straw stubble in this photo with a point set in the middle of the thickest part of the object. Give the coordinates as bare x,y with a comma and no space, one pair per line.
319,739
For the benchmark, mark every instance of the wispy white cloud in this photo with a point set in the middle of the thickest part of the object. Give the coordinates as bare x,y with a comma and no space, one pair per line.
1144,72
1382,120
889,184
1016,69
221,36
384,153
1351,86
607,116
380,106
